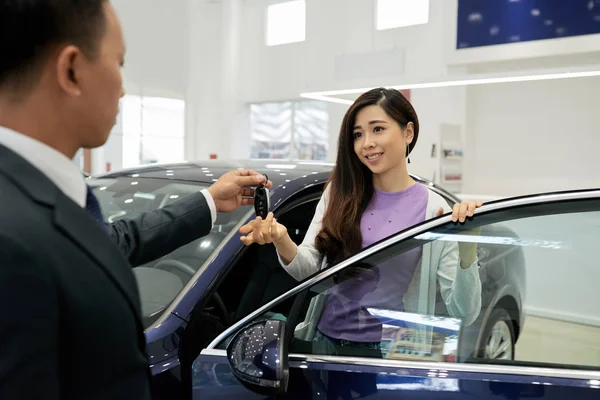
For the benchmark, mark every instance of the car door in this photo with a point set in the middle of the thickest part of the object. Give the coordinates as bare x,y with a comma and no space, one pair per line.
552,320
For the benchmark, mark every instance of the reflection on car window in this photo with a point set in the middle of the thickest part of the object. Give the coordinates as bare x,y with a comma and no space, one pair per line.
536,306
385,306
160,281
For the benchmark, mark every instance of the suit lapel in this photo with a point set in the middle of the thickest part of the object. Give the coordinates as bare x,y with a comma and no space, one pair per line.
83,230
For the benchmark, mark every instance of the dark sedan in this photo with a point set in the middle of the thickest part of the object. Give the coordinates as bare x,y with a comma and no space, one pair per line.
194,294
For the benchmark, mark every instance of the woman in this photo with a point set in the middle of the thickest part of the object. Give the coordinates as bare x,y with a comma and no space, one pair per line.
374,197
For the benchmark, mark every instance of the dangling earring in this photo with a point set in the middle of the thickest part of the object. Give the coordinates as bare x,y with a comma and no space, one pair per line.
408,152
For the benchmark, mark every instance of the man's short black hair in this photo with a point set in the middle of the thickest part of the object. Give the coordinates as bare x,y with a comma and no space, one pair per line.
31,29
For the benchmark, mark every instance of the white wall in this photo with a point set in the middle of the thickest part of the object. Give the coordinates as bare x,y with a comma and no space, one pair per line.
156,34
337,29
435,107
532,137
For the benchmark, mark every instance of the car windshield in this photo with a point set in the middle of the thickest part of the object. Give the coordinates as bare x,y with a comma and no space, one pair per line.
161,280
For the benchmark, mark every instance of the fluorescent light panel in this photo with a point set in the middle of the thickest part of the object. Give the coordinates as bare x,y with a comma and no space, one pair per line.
330,96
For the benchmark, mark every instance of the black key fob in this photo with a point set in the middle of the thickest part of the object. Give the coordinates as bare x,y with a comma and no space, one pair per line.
262,202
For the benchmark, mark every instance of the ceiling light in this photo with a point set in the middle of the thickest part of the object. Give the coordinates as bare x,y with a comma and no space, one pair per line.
330,96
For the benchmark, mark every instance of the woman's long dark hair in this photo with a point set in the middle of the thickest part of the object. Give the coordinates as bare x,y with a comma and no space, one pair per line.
351,182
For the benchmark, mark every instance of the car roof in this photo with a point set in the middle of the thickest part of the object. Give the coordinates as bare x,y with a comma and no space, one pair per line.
280,172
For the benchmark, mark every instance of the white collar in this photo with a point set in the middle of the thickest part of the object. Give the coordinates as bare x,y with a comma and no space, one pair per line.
62,171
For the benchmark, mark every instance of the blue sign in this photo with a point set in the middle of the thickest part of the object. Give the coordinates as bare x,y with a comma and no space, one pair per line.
490,22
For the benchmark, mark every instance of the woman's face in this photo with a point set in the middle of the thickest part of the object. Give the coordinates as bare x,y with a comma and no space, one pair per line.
379,142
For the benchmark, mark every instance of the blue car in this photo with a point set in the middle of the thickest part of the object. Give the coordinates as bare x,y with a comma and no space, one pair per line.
224,321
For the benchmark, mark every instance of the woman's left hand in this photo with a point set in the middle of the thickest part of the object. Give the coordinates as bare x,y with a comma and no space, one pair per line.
463,210
460,212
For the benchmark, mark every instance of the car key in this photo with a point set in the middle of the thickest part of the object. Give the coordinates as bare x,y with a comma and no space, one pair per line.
262,202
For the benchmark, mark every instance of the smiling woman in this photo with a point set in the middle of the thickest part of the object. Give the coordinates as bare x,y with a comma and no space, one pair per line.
374,198
378,133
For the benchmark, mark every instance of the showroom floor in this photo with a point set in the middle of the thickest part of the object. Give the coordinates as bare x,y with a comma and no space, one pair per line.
546,340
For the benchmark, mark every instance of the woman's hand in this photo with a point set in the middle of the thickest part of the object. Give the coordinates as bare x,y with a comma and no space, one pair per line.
263,231
463,210
460,212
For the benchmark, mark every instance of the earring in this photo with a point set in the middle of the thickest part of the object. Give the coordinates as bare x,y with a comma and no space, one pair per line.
408,152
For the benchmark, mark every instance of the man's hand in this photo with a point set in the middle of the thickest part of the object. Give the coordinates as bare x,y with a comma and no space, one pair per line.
234,189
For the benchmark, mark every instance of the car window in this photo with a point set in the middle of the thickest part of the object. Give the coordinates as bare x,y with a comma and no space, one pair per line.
530,300
161,280
255,276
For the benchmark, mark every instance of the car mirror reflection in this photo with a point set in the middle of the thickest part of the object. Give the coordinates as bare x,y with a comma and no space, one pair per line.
258,356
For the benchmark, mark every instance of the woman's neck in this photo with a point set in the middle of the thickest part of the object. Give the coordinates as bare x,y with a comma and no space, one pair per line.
394,180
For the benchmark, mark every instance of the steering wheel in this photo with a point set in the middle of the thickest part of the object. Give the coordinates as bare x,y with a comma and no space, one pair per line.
220,307
185,273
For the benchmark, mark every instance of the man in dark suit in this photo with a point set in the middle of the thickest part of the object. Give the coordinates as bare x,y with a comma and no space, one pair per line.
70,323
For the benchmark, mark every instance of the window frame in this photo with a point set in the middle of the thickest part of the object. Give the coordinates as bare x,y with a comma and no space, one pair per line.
524,206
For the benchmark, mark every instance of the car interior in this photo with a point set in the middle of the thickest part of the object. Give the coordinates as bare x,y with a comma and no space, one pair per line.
257,277
161,280
254,278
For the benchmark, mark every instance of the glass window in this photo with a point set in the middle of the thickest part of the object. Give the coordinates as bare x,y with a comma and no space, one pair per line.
161,280
271,130
153,130
256,277
311,134
296,130
286,23
399,13
531,299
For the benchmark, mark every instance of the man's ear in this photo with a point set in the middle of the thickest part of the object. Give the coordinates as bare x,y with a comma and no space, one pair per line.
68,70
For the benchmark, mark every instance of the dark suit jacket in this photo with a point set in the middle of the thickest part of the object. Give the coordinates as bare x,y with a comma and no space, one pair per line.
70,325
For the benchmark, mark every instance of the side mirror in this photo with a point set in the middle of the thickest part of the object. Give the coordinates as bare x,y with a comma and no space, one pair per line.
258,356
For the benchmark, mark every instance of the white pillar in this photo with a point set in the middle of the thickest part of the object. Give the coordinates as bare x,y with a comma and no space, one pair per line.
98,161
216,119
234,113
203,98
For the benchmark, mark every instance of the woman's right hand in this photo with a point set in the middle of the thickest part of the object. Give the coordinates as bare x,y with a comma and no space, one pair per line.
263,231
